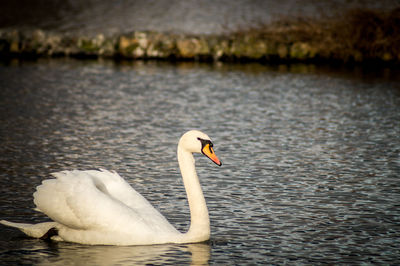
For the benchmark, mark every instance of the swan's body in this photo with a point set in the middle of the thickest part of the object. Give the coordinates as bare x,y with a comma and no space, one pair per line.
99,207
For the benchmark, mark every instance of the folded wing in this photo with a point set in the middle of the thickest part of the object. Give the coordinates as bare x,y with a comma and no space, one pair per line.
97,201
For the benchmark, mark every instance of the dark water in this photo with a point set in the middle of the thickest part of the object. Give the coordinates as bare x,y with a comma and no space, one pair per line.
311,171
188,16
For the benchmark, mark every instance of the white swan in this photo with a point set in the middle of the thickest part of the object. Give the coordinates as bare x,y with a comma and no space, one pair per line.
101,208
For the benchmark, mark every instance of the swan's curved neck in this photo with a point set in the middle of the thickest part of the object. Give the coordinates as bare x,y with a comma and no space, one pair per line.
199,222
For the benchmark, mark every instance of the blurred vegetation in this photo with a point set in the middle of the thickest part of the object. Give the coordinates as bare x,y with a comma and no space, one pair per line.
360,35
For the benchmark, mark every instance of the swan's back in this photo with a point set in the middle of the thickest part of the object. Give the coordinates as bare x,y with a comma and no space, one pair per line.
99,206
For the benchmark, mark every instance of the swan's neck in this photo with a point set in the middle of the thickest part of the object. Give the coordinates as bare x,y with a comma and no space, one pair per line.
199,222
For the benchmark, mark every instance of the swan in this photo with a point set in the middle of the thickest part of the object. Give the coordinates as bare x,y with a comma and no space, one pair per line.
98,207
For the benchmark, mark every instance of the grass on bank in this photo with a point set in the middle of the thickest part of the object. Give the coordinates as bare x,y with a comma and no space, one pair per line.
357,35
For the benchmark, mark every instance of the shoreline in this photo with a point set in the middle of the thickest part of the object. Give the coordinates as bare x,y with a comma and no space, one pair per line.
360,37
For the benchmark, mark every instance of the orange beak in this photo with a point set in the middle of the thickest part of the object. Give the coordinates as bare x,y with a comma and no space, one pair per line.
209,152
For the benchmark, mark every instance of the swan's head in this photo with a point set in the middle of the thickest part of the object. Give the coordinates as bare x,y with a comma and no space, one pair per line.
196,141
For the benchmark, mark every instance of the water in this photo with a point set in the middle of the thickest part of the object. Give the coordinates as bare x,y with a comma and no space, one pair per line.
310,156
187,16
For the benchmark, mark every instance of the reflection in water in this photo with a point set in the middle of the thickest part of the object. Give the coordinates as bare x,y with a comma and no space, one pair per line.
38,252
72,254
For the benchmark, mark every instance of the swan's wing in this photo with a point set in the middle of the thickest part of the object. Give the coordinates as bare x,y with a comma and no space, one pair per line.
112,184
96,200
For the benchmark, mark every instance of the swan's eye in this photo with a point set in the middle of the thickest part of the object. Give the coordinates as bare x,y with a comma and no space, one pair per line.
206,145
204,142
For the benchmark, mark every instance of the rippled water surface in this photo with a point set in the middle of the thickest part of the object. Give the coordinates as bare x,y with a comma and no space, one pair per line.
311,164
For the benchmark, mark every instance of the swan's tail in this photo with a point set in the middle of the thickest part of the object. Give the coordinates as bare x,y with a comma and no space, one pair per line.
40,230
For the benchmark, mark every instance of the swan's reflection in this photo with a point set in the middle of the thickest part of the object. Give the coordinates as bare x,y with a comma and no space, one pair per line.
73,254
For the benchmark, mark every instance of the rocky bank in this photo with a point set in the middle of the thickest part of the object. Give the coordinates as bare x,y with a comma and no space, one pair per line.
364,35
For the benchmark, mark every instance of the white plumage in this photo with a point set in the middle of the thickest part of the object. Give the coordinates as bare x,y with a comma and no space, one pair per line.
100,207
